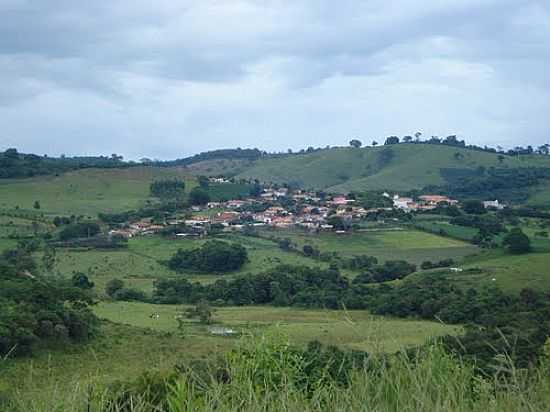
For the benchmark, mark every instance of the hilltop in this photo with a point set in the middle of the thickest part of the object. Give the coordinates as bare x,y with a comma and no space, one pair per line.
391,167
396,167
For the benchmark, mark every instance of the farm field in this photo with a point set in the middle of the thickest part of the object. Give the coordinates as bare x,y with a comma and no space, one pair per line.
88,191
411,245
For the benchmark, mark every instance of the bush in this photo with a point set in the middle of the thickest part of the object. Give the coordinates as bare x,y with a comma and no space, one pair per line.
213,256
77,230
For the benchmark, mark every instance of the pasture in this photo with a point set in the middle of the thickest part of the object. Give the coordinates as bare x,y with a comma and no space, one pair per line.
140,264
411,245
131,342
87,192
347,329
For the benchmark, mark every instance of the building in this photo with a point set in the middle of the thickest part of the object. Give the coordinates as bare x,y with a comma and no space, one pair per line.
404,203
434,200
493,204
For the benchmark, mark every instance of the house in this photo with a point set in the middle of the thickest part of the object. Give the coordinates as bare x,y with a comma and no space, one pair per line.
434,200
125,233
404,203
226,217
235,204
340,201
493,204
282,221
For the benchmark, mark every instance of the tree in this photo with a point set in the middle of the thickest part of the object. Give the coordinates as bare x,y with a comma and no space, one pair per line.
407,139
517,241
474,207
49,258
167,189
501,158
392,140
374,143
198,197
204,182
113,286
212,256
36,205
80,280
202,311
355,143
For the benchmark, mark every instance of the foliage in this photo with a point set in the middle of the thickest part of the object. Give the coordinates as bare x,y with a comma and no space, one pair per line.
474,207
113,286
212,256
202,311
34,308
517,242
198,197
168,189
80,280
14,164
79,230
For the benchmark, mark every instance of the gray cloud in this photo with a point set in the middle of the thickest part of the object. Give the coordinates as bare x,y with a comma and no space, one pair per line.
170,78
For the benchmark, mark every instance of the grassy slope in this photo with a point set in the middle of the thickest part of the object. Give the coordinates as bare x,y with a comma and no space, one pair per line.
86,192
216,167
411,245
350,329
139,267
124,351
412,167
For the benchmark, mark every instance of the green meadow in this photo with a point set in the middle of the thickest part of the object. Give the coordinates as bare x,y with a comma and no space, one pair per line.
411,245
87,192
141,263
131,342
347,329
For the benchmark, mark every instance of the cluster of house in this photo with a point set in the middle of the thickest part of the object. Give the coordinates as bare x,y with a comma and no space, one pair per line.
312,212
430,202
425,202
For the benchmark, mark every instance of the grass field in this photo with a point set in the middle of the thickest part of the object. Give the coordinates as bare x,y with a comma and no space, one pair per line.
119,353
412,245
353,329
412,166
453,231
87,192
136,343
139,265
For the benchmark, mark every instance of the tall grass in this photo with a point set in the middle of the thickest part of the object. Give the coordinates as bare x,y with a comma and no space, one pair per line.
264,374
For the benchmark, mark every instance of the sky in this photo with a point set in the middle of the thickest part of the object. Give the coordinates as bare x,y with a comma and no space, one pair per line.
167,78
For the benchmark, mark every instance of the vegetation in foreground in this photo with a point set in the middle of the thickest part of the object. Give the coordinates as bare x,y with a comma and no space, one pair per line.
265,373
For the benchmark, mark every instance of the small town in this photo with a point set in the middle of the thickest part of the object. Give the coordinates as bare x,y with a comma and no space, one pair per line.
281,208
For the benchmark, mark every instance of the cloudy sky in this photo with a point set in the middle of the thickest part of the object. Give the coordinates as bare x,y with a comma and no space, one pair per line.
169,78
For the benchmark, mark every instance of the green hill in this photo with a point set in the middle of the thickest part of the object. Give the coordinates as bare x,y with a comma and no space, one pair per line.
392,167
86,191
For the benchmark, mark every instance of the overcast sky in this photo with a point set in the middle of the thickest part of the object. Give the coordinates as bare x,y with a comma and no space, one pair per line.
169,78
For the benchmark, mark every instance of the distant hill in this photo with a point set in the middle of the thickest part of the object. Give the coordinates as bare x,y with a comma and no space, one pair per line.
399,167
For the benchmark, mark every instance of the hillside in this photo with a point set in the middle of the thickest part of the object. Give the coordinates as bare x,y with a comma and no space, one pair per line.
86,191
395,167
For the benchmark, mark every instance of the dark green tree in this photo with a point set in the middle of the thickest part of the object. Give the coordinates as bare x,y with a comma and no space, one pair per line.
80,280
198,197
113,286
517,242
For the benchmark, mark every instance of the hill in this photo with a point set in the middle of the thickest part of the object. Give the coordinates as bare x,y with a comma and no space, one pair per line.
86,191
393,167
